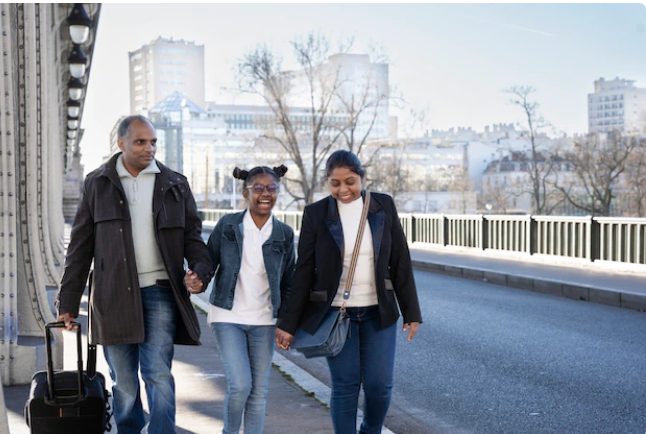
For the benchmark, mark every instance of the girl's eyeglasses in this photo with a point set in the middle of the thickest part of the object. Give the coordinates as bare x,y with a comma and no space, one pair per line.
260,188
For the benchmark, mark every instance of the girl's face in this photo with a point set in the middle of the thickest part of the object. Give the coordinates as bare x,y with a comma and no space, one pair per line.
344,184
261,192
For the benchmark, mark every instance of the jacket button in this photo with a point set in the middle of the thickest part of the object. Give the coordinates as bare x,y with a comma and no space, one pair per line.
128,288
124,259
120,201
120,230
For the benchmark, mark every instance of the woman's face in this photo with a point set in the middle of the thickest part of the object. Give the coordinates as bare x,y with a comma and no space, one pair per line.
261,202
344,184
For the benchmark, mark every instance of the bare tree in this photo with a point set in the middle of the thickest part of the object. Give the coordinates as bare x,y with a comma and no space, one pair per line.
464,186
429,187
634,183
537,163
597,162
390,171
312,117
363,108
497,198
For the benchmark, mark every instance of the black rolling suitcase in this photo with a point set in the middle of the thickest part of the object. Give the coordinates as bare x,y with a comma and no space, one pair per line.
68,402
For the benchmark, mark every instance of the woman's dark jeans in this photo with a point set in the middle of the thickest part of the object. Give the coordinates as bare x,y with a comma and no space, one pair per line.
367,358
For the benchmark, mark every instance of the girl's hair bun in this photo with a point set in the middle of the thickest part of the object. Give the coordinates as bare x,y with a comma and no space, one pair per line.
280,170
240,174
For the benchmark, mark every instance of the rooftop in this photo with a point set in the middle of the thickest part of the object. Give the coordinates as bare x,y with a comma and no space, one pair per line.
174,103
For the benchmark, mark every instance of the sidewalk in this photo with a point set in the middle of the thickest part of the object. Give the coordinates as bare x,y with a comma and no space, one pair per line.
200,386
614,288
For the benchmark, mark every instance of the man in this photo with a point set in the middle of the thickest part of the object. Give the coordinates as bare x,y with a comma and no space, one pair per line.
137,220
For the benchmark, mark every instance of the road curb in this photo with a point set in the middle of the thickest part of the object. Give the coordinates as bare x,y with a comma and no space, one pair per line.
590,293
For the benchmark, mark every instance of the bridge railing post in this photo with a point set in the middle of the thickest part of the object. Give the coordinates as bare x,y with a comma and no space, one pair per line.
532,235
484,232
445,230
593,240
413,230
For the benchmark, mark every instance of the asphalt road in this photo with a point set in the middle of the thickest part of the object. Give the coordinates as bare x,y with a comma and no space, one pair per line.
494,360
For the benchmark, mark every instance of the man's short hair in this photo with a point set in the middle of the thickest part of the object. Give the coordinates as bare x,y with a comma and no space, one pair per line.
124,127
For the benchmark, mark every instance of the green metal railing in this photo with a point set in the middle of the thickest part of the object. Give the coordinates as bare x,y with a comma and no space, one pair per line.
619,240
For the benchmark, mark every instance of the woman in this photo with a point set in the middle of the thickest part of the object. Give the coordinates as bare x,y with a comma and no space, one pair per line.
383,279
253,254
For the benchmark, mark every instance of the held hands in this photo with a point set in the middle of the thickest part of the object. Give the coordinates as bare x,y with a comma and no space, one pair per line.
67,318
413,329
283,339
193,282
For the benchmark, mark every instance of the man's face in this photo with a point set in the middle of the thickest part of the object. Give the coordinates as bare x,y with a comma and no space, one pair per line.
139,147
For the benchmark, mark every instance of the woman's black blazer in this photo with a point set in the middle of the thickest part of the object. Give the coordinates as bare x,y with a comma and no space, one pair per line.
320,263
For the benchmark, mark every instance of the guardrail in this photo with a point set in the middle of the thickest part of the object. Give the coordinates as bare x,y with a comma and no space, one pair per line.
586,239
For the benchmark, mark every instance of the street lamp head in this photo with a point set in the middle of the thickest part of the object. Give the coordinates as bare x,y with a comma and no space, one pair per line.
489,207
72,123
79,22
73,108
78,61
75,87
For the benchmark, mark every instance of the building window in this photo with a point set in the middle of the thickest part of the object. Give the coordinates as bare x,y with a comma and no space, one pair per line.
137,77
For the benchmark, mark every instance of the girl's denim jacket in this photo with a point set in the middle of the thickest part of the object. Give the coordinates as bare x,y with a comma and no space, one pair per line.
225,247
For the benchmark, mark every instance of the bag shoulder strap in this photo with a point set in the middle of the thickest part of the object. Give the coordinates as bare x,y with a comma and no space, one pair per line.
355,252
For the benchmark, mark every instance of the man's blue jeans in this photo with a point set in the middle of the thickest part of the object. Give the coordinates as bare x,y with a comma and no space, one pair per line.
245,352
154,357
368,357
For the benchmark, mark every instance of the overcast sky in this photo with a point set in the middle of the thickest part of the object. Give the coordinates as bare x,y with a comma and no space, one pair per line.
454,60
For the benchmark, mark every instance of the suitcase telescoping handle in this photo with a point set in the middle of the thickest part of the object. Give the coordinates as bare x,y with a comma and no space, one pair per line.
91,349
52,398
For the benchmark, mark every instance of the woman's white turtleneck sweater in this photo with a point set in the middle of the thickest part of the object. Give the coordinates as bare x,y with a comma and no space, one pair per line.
363,291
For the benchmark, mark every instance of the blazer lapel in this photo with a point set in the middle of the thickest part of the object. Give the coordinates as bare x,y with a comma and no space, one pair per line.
376,218
333,222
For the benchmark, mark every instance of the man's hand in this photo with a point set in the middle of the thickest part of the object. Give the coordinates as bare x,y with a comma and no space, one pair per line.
193,282
67,318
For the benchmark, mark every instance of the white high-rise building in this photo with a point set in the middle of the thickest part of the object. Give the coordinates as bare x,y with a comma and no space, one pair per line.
616,105
362,88
364,84
162,67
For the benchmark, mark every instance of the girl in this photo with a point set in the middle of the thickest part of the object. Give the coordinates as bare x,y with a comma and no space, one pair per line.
253,254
